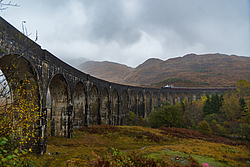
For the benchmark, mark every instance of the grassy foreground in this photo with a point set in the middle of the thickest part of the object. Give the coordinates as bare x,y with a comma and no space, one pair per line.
137,146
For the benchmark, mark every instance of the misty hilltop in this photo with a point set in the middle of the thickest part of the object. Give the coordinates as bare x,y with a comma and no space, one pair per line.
189,70
109,71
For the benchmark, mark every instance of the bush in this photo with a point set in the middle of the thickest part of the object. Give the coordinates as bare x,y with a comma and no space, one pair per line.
118,158
204,128
165,116
211,118
132,118
245,130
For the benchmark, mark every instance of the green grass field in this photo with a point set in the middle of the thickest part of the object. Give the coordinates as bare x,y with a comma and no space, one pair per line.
90,145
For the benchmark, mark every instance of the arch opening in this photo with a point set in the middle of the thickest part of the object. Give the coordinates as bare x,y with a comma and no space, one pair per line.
79,105
155,101
125,108
115,108
178,97
105,117
94,107
171,98
59,120
163,98
19,97
141,110
133,102
148,103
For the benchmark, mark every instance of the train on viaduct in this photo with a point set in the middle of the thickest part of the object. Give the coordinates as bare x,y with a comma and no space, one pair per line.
77,99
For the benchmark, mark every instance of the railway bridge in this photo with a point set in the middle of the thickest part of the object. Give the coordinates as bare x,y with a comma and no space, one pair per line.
77,99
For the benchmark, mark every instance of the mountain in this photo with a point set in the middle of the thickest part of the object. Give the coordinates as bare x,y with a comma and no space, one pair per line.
189,70
76,62
109,71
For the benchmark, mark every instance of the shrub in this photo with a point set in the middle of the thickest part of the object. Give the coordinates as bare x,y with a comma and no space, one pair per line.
165,116
134,120
204,128
211,118
118,158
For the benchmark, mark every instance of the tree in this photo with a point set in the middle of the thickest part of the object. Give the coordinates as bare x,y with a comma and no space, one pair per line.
207,108
221,100
193,115
4,6
211,118
19,106
245,121
215,101
204,128
212,104
243,88
242,104
231,107
165,116
18,116
231,110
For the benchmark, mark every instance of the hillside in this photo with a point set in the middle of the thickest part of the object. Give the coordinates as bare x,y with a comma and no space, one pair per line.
75,62
189,70
108,71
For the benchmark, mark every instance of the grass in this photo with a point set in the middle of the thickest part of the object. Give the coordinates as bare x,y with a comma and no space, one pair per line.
91,145
182,157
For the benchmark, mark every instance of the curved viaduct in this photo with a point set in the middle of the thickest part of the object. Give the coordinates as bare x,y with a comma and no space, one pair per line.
77,99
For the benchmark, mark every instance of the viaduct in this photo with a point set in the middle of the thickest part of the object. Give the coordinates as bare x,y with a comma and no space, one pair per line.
77,99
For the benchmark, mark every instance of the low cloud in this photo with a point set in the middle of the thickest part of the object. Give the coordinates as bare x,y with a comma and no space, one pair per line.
131,31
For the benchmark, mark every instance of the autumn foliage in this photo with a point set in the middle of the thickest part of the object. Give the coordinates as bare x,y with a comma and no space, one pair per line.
204,128
19,114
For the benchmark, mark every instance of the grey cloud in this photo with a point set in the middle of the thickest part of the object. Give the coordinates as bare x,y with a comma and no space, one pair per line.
107,21
130,31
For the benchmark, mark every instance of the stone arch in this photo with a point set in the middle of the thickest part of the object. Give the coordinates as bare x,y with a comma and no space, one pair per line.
199,95
192,96
133,102
79,103
94,106
185,96
155,100
209,93
171,98
20,82
140,99
163,98
59,92
178,97
148,102
19,72
105,117
125,108
115,107
215,91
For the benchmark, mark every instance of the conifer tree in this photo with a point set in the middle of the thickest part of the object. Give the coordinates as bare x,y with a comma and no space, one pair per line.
215,103
212,104
207,106
242,103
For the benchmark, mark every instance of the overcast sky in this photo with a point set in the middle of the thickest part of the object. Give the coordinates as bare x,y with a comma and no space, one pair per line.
131,31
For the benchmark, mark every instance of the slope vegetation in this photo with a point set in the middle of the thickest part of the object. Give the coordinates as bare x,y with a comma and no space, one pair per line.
120,145
108,71
189,70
